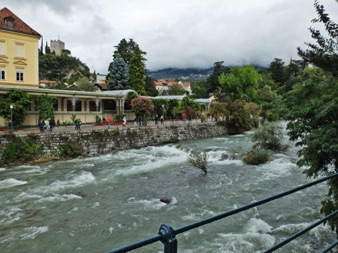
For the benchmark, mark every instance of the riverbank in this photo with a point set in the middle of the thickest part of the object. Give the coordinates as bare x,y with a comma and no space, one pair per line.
65,142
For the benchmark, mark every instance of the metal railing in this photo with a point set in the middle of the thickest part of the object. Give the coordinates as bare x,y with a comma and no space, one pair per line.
167,234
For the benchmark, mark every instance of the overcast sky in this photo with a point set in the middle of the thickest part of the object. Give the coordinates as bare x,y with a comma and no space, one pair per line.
175,33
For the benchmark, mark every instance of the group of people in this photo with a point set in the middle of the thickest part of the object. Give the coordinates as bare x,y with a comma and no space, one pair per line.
161,119
110,121
46,124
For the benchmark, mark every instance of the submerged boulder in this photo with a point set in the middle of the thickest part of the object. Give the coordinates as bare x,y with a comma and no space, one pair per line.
166,200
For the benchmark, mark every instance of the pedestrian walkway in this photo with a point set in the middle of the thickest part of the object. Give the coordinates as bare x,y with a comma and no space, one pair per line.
90,127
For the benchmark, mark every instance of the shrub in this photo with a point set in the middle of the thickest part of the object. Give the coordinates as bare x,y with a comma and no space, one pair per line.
21,150
269,136
199,160
256,157
71,149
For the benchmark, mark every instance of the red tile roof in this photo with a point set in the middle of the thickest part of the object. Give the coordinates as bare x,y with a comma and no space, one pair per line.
19,25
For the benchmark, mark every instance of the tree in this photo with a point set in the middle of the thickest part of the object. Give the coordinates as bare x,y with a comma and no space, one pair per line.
199,89
20,101
143,107
45,105
126,50
218,110
85,85
136,72
176,89
239,120
323,54
313,111
150,87
241,83
213,82
118,74
278,71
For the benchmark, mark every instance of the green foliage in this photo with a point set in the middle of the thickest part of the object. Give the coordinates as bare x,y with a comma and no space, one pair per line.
98,119
191,103
256,157
176,89
270,103
45,105
171,140
118,74
323,54
269,136
85,84
64,67
313,110
218,110
199,160
137,71
119,117
199,89
202,116
213,79
150,87
126,50
239,120
20,101
21,150
313,121
278,71
71,149
73,118
242,82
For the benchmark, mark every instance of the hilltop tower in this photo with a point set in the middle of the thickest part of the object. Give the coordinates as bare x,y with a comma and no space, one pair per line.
57,46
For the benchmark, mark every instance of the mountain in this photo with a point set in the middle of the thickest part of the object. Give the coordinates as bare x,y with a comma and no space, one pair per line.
187,74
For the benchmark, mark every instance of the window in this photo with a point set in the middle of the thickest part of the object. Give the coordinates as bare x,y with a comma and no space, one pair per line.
10,24
2,74
20,50
19,75
3,48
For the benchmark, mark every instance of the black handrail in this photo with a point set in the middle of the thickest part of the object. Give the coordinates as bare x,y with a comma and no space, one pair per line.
167,235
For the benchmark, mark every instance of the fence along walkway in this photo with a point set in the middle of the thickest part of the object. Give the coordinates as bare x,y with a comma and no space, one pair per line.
167,234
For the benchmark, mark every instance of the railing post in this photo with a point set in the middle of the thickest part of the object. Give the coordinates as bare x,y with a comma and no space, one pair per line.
168,238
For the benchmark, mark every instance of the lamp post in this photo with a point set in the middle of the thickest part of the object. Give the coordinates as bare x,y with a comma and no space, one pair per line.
11,106
162,114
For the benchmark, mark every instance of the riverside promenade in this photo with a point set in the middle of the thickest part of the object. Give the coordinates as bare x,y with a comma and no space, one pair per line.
91,127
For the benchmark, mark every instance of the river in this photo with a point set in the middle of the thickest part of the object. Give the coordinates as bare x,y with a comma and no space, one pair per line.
101,203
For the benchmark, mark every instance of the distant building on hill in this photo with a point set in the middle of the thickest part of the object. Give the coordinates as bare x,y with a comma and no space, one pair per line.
57,46
162,86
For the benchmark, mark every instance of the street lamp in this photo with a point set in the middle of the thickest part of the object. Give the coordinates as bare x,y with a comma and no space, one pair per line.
11,106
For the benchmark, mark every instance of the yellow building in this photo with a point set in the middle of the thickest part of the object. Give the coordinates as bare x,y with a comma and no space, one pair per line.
19,69
19,56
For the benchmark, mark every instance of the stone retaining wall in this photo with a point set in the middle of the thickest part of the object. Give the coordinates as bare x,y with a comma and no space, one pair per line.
98,142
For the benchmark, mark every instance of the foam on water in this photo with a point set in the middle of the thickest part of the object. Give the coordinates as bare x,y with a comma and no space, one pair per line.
151,204
74,181
278,168
8,216
258,226
11,182
149,159
58,198
2,169
32,232
217,157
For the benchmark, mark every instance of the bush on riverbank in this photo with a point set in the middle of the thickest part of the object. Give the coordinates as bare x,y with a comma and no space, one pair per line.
21,150
70,149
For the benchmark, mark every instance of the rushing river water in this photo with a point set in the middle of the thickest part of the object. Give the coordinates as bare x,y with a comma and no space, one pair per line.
98,204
